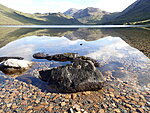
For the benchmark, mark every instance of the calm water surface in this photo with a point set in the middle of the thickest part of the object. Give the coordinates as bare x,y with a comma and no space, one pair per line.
124,52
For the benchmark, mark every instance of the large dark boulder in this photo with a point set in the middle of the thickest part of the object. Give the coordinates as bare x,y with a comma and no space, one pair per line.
80,75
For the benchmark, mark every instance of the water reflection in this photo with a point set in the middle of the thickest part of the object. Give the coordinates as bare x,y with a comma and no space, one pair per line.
108,46
138,38
106,50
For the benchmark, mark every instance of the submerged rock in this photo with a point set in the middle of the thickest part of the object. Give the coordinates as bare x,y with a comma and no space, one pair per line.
14,66
13,72
6,58
16,63
80,75
64,57
58,57
40,56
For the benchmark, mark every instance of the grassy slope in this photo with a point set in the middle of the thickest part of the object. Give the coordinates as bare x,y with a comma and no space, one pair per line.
11,34
12,17
137,14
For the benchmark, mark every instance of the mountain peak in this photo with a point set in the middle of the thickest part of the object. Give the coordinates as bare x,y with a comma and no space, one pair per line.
71,11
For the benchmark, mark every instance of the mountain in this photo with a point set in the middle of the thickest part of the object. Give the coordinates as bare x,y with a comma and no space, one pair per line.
88,15
71,11
136,13
12,17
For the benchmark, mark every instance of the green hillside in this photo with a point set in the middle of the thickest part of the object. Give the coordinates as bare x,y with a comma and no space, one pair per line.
137,13
12,17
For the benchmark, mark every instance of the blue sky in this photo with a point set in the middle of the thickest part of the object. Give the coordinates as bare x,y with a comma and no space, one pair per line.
44,6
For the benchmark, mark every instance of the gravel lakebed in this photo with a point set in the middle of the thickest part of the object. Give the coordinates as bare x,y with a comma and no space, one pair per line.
22,95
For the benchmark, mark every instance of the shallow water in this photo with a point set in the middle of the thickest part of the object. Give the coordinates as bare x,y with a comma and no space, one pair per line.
123,52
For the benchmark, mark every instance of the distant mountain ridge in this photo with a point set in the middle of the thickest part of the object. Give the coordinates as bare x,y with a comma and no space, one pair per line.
71,11
88,15
136,13
9,16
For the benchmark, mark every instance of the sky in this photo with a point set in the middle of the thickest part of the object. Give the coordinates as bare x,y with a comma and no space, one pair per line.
45,6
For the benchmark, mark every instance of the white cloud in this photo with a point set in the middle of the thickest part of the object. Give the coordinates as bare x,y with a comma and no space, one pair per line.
114,5
32,6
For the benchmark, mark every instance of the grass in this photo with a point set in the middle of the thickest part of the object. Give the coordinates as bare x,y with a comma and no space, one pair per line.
12,17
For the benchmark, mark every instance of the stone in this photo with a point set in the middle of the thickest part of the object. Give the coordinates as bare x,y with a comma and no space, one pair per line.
1,111
28,107
70,110
85,112
71,78
37,101
117,110
76,107
16,63
55,97
14,106
96,106
6,58
9,105
101,111
111,90
133,98
29,111
57,57
62,104
86,93
116,100
104,106
134,102
140,110
38,107
141,103
112,95
73,96
14,66
44,103
67,96
128,106
24,102
40,56
64,57
142,97
49,108
122,98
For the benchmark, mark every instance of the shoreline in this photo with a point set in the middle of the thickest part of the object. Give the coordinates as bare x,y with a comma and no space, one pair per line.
116,97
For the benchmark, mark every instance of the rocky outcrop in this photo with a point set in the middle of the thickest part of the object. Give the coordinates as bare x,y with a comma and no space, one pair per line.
6,58
40,56
15,63
14,66
58,57
64,57
71,11
80,75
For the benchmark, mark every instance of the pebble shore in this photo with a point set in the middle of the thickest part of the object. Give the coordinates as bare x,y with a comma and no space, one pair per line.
117,97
